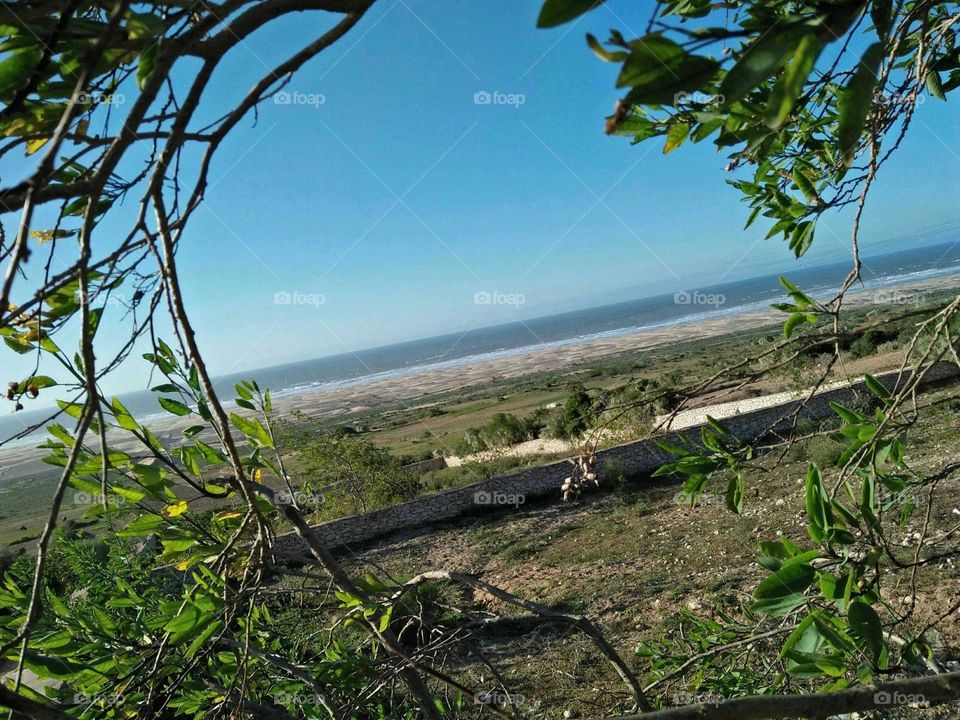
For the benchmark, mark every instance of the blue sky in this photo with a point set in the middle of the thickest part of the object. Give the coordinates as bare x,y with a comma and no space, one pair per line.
385,190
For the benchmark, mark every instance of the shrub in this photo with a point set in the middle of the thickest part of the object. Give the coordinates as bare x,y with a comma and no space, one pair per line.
354,475
868,343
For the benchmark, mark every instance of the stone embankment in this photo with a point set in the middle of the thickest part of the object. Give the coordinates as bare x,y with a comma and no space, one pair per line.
634,458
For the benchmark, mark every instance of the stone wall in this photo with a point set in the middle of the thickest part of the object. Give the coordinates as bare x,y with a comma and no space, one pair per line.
635,458
428,465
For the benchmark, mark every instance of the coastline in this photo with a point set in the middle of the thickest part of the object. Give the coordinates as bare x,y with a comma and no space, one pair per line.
328,402
363,396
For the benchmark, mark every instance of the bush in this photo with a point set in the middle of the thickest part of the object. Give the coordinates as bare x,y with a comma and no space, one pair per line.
501,430
355,476
867,343
821,450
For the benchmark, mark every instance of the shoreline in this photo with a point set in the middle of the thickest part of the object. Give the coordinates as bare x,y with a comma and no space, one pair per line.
366,395
330,402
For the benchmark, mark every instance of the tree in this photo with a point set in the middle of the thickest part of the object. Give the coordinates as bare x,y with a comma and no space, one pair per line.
176,620
105,99
810,100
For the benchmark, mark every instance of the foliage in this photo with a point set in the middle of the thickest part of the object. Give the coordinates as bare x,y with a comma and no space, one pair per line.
349,475
800,94
499,431
830,592
179,597
165,610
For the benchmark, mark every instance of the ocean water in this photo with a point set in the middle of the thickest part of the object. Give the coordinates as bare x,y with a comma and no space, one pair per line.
562,329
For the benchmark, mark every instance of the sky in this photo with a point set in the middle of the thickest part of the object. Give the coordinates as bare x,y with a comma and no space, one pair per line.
381,194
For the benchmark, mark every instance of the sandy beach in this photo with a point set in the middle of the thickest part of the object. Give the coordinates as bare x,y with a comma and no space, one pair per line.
325,403
381,392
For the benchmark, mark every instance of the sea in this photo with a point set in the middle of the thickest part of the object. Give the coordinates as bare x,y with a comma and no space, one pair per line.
647,313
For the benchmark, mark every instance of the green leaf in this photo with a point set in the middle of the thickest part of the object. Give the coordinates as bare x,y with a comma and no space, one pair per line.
778,607
601,52
876,387
790,325
252,428
21,348
40,381
558,12
866,628
805,185
847,415
855,101
934,86
203,637
794,637
790,85
819,510
16,70
173,406
802,237
143,525
763,58
734,495
676,137
659,70
193,430
148,59
789,580
833,629
122,415
74,410
186,623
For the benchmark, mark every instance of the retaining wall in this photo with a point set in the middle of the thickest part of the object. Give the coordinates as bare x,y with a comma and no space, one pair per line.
504,492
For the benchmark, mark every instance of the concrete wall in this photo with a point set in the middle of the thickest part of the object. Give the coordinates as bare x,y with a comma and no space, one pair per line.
634,458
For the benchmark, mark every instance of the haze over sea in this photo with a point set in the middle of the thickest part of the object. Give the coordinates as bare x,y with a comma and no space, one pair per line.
689,306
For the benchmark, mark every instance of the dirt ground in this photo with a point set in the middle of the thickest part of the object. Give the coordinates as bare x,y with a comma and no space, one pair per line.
638,563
